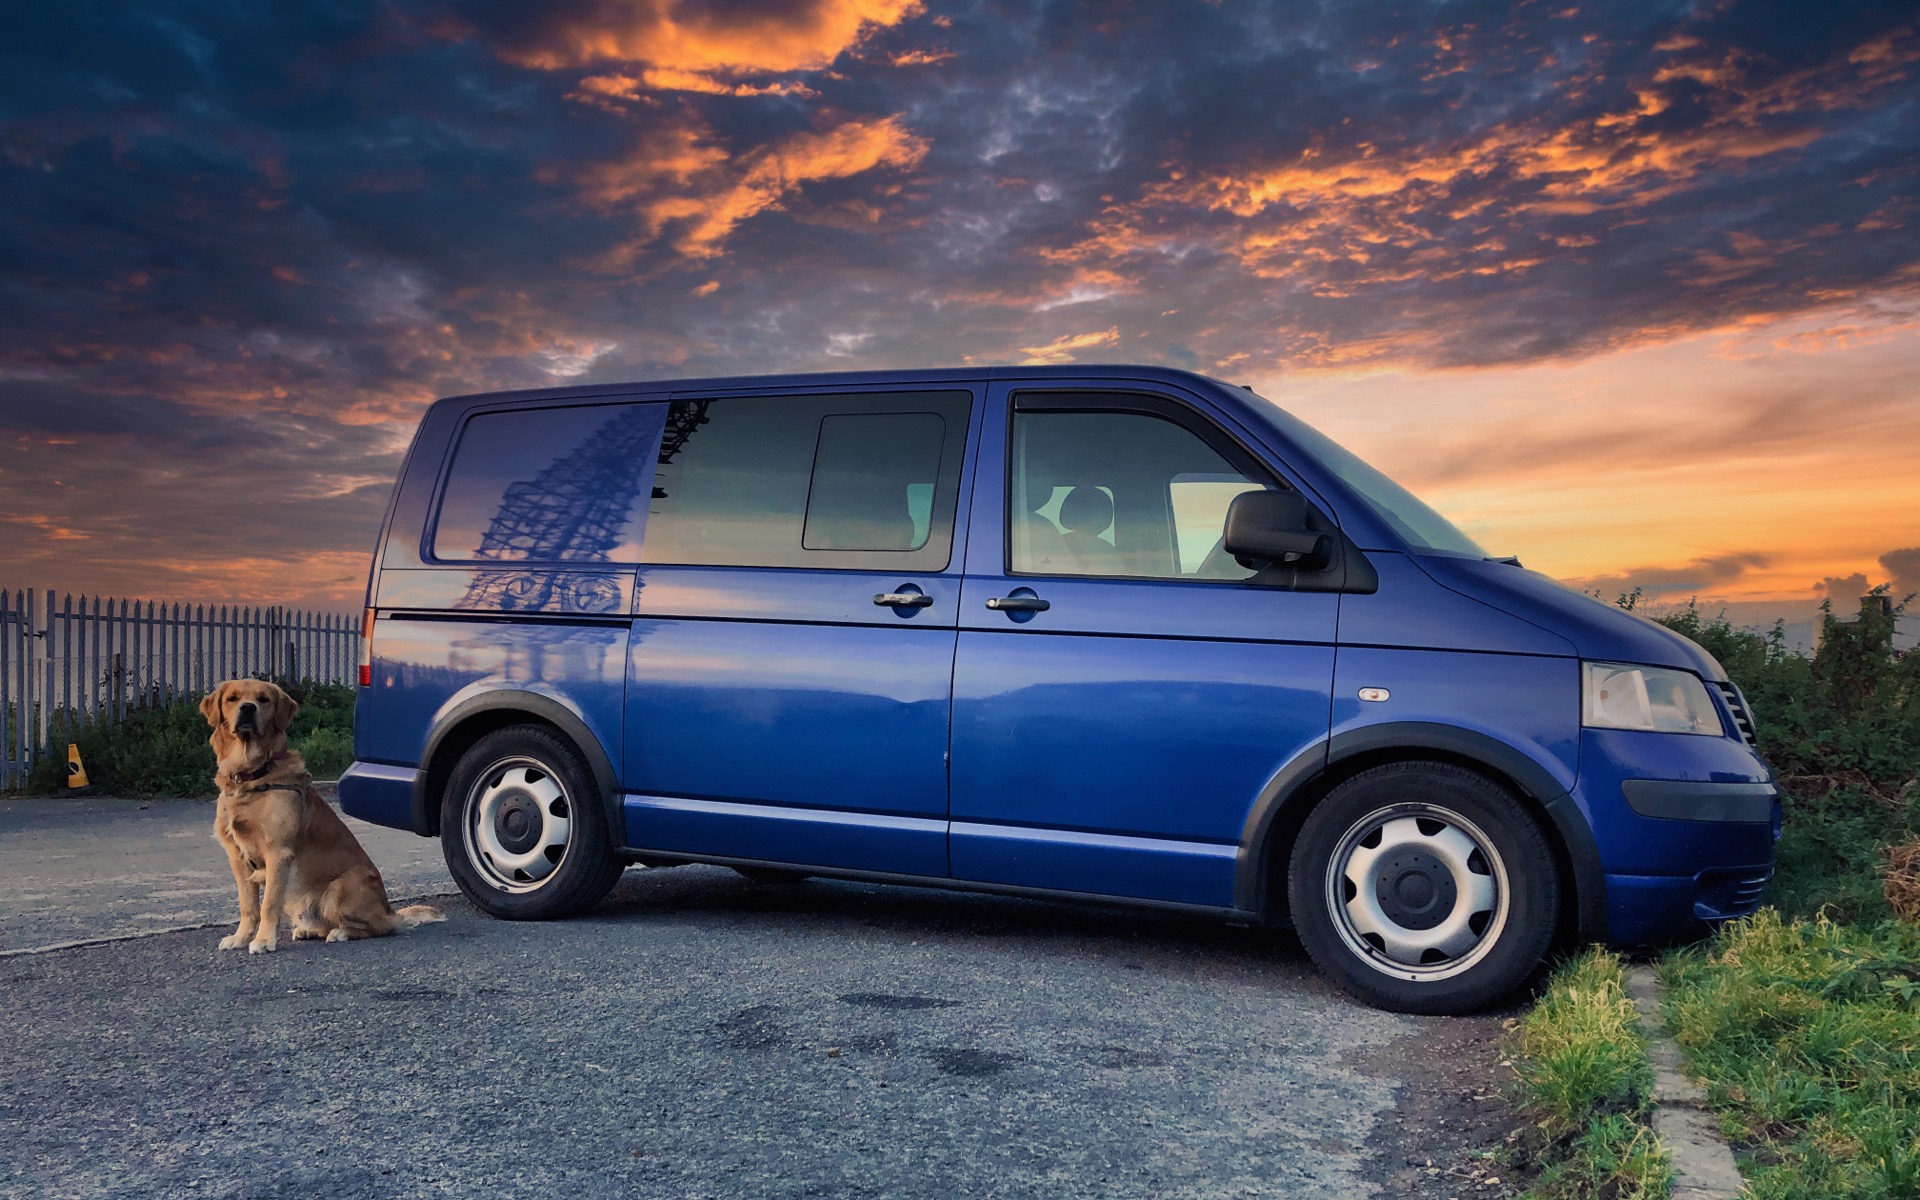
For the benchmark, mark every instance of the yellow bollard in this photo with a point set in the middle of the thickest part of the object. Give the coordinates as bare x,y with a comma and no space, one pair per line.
76,771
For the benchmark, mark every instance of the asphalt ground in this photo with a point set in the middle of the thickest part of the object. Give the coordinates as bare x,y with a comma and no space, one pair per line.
91,867
696,1035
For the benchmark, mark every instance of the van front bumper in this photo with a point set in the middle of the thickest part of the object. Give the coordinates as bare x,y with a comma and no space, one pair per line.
1685,827
1653,909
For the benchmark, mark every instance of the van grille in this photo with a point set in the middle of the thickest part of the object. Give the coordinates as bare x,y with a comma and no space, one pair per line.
1722,895
1742,715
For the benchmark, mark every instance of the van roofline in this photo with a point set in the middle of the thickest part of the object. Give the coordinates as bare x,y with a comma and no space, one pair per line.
917,375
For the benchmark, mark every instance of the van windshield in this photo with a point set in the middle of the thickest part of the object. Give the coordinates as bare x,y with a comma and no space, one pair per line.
1410,517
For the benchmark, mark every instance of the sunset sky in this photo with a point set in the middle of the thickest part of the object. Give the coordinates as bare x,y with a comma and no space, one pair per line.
1631,290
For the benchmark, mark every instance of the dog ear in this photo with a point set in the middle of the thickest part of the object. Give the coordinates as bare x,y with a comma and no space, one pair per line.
210,704
284,706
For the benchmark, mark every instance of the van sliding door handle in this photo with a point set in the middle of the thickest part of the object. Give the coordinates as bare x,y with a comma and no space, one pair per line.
904,599
1018,604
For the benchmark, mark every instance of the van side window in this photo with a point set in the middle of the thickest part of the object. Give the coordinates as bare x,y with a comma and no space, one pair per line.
873,478
549,485
1122,494
848,481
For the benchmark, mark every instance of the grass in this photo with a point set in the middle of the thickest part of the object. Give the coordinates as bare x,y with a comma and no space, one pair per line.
1583,1066
1808,1035
161,750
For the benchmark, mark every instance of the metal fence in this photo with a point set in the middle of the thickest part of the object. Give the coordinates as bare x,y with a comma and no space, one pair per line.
67,661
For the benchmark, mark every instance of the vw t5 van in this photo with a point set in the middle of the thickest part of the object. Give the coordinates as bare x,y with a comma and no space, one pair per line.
1121,634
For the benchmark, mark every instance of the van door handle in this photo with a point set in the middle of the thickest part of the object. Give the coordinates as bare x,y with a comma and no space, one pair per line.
904,599
1018,604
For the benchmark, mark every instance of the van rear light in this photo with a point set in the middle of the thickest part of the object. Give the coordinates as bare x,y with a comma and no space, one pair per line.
366,648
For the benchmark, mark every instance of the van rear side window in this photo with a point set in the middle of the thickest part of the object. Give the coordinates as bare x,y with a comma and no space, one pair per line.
873,479
550,485
848,481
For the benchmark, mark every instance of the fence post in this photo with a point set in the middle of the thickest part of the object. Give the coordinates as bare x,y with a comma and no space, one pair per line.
6,690
120,665
45,634
65,710
152,688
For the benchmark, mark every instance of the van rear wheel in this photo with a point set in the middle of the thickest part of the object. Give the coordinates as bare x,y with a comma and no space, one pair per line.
522,829
1423,887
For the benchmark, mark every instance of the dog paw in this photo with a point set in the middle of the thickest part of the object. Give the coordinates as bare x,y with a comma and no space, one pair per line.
303,933
337,935
234,941
262,945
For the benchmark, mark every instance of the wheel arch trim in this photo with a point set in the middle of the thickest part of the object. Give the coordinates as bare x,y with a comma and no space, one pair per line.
1294,788
500,709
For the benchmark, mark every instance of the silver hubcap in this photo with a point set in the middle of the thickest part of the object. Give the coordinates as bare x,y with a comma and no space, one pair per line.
519,821
1417,891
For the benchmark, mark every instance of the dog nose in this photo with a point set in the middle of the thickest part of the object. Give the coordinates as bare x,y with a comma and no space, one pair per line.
247,710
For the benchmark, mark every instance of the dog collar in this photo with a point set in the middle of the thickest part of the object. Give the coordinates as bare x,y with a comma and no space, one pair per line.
250,776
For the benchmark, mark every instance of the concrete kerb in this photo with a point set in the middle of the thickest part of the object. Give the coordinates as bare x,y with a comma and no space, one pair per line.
1703,1166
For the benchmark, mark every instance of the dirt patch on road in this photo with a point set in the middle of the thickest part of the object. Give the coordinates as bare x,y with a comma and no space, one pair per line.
1453,1112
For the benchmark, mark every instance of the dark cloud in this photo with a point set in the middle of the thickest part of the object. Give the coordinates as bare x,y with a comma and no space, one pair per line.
1844,590
1702,574
289,226
1903,570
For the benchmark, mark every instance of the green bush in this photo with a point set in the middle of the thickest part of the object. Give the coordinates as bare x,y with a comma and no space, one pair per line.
1842,729
162,750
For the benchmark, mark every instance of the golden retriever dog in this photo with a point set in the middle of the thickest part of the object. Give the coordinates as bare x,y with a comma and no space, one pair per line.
291,853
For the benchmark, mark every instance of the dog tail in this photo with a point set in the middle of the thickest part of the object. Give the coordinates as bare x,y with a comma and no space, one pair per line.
416,914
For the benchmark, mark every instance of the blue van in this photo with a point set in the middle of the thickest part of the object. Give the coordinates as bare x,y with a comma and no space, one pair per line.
1122,634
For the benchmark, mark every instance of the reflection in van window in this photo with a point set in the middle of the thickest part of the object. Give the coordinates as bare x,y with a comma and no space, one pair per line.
809,481
1120,494
867,470
549,485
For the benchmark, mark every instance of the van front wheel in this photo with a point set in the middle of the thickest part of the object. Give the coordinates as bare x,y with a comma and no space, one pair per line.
1423,887
522,829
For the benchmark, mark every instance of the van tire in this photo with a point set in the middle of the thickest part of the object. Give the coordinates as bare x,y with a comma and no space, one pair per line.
1464,894
522,828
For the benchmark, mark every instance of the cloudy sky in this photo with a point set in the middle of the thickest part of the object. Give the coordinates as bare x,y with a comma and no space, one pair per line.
1629,289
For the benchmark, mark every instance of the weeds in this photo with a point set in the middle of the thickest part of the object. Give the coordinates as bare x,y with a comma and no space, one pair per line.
1583,1064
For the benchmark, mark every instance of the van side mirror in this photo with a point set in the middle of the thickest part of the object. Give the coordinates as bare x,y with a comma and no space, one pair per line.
1271,527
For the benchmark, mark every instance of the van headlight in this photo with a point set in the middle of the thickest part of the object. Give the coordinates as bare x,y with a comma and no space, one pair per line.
1624,696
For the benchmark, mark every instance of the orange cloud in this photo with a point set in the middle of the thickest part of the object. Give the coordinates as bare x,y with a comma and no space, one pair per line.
600,88
704,48
1340,220
673,155
1062,349
921,58
680,179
